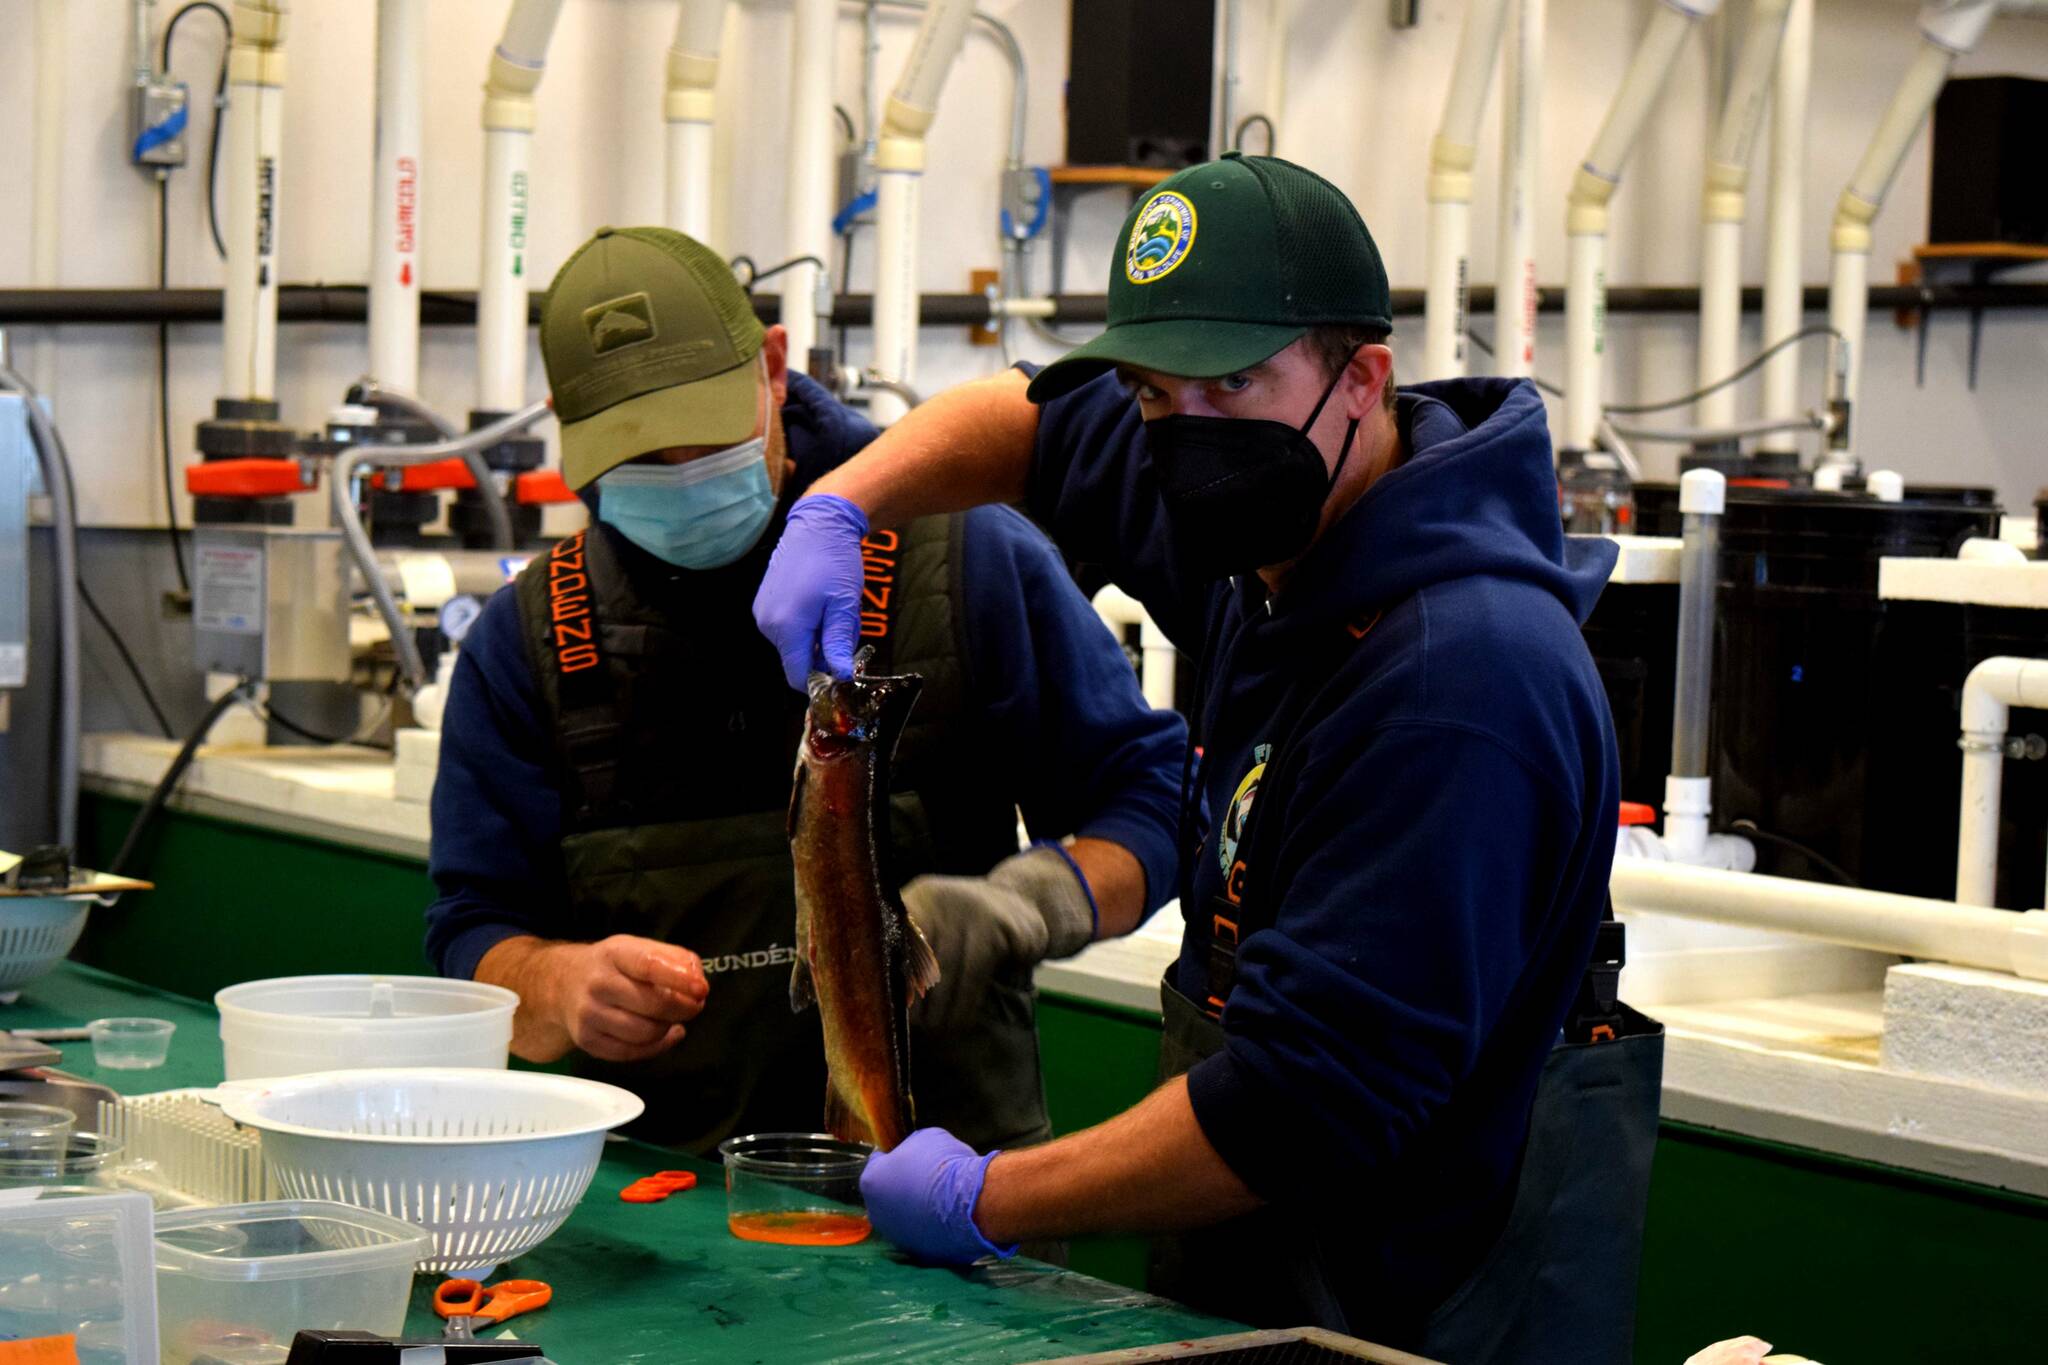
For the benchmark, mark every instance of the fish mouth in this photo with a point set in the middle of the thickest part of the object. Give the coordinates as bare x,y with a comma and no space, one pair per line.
863,709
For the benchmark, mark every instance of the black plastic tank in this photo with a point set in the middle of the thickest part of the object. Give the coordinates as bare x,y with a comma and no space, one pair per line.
1835,713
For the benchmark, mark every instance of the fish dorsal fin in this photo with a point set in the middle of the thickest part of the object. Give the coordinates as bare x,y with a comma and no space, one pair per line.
920,963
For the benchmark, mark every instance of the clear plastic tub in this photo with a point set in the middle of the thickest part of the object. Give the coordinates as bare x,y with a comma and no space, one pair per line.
90,1161
34,1132
237,1282
296,1025
79,1263
795,1189
130,1044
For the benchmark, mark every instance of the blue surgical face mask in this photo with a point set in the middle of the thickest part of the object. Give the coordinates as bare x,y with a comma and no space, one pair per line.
698,515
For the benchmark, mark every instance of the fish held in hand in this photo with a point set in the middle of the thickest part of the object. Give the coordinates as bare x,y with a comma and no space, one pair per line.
859,957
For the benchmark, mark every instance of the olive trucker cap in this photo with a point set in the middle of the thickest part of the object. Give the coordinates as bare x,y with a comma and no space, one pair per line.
1223,265
649,342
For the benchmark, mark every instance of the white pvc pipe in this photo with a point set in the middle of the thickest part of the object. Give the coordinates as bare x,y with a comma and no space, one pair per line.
1720,316
1784,304
1724,205
48,131
1585,295
1157,656
1451,154
517,64
1947,31
1444,287
1586,222
899,166
689,107
252,141
1967,935
396,197
1514,299
809,186
1992,689
1279,17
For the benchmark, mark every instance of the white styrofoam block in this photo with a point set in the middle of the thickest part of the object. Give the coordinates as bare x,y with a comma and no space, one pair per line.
418,746
1968,1025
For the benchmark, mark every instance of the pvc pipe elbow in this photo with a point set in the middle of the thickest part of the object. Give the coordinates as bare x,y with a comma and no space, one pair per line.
259,23
690,105
1450,171
692,70
900,153
1851,229
1591,189
508,93
1956,25
905,121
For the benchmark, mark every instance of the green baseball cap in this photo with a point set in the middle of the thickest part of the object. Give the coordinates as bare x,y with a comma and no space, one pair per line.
1224,264
649,342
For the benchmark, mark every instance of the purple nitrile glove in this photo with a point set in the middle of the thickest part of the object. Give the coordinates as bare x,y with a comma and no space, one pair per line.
809,602
922,1195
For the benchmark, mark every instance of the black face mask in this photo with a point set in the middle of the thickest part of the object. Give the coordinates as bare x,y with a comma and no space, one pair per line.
1241,492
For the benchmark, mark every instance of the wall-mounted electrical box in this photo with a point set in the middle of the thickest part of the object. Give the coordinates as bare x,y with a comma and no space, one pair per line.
270,602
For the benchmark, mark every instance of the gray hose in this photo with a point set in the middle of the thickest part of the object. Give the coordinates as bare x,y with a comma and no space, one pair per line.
368,390
881,383
1701,435
56,465
341,493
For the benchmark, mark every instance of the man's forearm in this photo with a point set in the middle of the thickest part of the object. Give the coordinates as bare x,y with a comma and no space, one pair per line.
1116,879
521,965
966,447
1149,1169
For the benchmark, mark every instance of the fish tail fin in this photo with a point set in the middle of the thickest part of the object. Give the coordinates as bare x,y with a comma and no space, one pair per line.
841,1120
920,963
803,992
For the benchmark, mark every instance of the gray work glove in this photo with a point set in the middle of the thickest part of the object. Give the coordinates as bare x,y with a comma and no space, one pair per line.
1028,908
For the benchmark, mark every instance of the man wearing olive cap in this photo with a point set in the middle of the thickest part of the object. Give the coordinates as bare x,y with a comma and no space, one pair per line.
609,816
1396,849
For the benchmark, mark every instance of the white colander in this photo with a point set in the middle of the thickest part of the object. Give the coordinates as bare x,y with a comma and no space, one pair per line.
489,1162
36,933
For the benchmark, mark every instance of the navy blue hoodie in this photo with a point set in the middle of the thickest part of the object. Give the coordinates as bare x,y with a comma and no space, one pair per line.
1435,857
1059,705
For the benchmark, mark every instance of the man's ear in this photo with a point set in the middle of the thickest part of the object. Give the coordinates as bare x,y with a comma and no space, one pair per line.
775,348
1371,366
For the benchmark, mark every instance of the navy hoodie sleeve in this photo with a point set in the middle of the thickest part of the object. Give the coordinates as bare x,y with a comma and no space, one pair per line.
1397,949
1093,488
1063,705
497,815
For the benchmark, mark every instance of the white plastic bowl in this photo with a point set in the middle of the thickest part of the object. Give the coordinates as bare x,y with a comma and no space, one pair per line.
36,933
489,1162
295,1025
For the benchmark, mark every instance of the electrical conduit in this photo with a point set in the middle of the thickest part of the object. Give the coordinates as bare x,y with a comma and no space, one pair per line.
1586,221
899,166
517,64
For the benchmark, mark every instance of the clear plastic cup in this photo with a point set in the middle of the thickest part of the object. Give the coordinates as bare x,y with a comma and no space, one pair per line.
795,1189
35,1133
130,1044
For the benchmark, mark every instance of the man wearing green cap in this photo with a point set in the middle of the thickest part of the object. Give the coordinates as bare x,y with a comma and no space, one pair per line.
609,815
1396,847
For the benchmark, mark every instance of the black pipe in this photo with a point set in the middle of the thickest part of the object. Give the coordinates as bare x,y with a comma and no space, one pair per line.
349,303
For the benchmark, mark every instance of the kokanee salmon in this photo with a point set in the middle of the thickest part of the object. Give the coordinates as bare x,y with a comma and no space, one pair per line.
858,955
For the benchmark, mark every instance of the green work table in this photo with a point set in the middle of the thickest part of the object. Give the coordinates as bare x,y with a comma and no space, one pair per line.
667,1283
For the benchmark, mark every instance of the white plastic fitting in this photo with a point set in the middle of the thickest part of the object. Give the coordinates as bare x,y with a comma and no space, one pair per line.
1886,485
1993,688
1704,491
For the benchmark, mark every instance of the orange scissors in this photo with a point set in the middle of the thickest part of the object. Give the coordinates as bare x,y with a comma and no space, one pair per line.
467,1305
